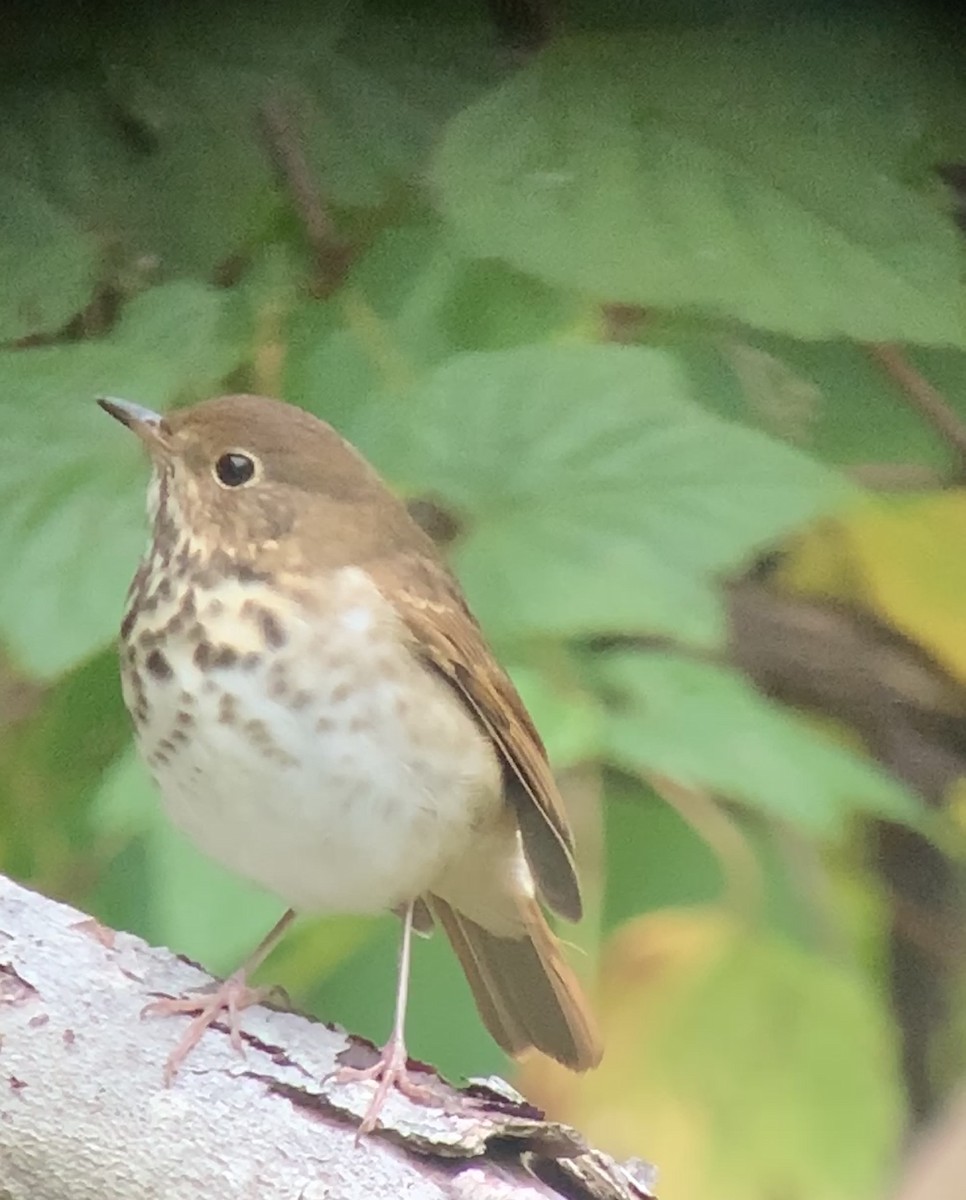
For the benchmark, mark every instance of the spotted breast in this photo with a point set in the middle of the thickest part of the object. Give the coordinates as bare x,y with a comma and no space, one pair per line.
286,727
322,714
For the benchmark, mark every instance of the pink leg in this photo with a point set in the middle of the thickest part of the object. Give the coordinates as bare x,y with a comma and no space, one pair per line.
231,996
391,1067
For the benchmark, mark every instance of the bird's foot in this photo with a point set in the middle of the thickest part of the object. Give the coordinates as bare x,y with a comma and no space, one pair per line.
389,1070
231,997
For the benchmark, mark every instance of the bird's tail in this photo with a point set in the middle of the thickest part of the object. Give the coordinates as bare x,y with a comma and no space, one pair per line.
526,992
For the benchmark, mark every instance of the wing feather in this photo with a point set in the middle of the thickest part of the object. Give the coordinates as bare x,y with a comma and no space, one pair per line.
449,640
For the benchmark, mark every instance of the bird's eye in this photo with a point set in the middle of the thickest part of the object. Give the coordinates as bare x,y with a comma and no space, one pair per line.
235,469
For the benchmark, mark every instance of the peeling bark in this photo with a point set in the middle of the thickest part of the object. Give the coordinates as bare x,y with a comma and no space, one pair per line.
83,1114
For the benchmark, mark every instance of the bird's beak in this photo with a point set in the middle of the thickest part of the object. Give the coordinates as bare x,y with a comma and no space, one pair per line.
146,424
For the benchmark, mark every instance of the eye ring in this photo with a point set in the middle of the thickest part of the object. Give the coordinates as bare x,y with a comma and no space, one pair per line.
235,469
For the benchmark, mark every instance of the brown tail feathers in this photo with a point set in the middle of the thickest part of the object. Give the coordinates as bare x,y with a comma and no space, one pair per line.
526,993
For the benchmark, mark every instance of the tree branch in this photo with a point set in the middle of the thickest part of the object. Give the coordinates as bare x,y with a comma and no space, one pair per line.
83,1112
286,150
824,657
920,394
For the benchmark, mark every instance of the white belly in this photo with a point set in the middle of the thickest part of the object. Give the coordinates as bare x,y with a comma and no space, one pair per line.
327,770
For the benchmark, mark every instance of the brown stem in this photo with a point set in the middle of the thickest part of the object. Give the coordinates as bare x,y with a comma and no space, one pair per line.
286,149
922,396
897,477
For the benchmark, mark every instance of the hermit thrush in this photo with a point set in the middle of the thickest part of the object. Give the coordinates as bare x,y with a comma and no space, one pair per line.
322,715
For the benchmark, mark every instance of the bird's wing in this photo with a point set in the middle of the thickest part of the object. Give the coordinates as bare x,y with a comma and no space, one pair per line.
448,639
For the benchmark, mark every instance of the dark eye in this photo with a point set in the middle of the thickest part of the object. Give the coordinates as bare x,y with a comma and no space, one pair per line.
234,469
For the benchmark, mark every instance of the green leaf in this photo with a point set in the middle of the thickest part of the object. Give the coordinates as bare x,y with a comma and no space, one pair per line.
767,173
72,482
703,726
410,301
596,495
829,398
154,139
657,860
380,330
52,757
48,266
570,720
188,324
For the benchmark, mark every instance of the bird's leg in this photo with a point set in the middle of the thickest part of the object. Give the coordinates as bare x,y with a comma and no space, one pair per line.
232,995
390,1069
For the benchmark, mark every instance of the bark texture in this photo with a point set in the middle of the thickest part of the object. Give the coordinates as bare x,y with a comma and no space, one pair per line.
83,1114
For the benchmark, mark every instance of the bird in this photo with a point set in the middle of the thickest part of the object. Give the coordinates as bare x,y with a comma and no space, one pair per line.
322,715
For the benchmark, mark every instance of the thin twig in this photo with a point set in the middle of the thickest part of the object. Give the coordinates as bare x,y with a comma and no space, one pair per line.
286,149
922,396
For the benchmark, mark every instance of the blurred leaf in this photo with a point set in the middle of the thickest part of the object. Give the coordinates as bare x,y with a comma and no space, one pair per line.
570,720
756,172
830,398
126,803
863,416
47,264
313,950
188,324
201,909
72,483
898,559
656,860
703,726
599,498
156,146
120,897
438,58
412,300
743,1066
51,764
381,329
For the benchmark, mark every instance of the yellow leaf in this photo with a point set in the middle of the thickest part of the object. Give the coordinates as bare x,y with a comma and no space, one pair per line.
956,804
902,560
741,1065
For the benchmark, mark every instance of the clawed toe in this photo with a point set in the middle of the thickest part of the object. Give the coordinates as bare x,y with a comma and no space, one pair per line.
230,997
389,1071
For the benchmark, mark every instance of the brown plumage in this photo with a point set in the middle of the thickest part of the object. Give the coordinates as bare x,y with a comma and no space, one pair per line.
347,738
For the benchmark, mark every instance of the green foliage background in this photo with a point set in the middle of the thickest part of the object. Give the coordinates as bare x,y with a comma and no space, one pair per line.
745,193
